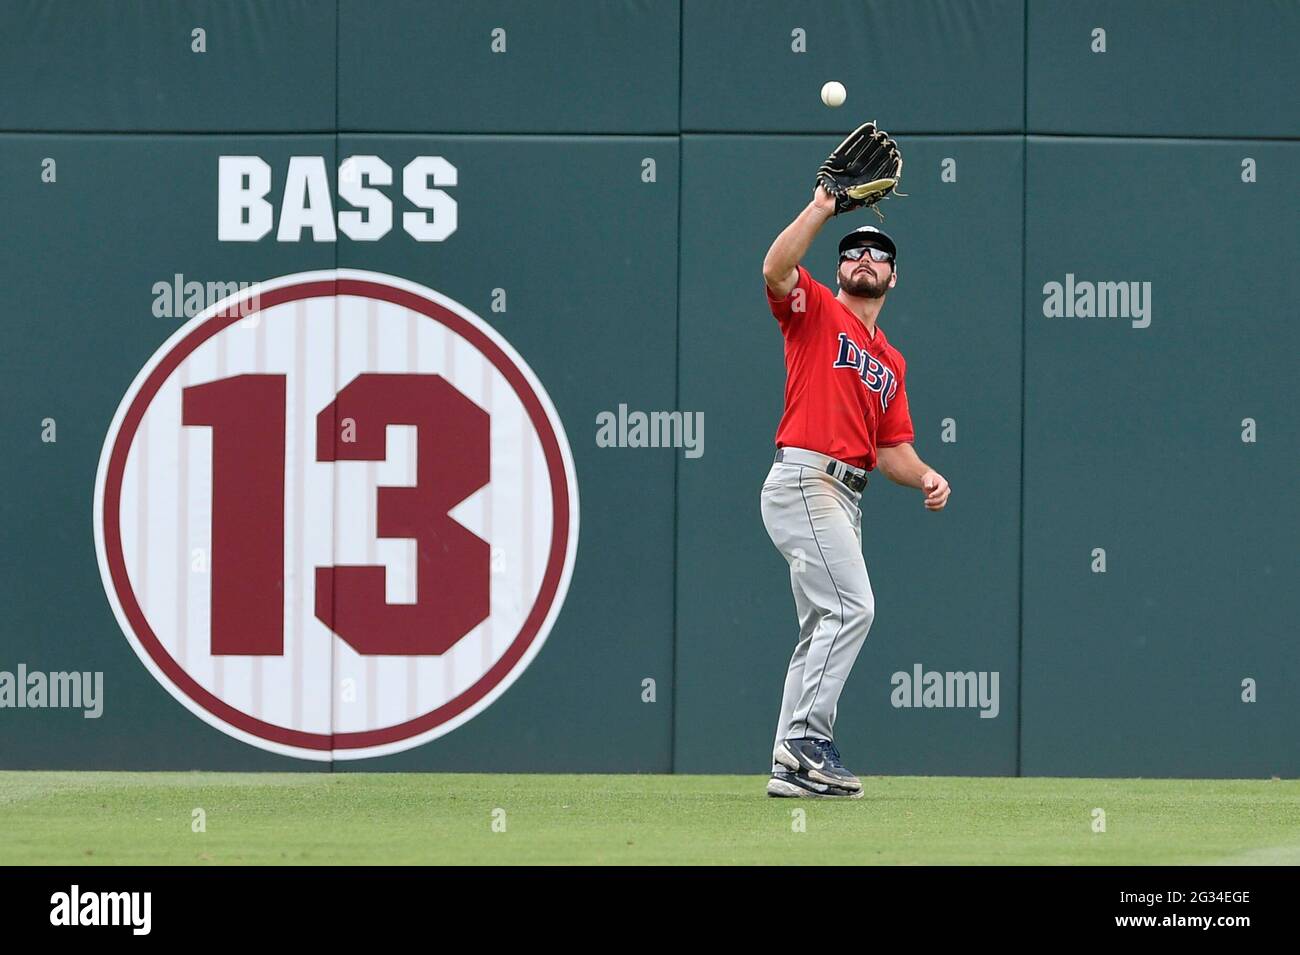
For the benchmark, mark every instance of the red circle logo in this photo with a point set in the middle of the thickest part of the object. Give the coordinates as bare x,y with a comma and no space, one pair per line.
336,515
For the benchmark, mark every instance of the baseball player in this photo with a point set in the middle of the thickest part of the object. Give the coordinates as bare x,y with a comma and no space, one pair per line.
845,414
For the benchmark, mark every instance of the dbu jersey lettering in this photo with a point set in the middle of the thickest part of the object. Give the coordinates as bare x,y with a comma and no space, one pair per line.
845,390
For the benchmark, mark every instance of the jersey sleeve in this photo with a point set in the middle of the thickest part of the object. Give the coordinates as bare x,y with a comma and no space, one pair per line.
803,299
896,423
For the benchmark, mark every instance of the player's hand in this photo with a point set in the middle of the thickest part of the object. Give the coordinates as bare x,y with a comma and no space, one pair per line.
823,200
936,489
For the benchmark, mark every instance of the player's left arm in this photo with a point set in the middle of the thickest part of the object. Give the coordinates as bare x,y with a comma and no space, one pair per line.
901,464
895,456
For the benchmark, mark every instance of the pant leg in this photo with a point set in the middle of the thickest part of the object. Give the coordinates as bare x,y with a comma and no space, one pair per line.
814,521
808,614
857,529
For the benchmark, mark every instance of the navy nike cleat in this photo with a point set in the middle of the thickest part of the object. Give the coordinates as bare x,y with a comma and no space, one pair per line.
789,785
819,760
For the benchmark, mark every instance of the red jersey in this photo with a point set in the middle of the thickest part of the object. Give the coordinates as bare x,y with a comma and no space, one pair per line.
844,390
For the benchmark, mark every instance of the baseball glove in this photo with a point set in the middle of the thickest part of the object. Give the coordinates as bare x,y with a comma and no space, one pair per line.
862,170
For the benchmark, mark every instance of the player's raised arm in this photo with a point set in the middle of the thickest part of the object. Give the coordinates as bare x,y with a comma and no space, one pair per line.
780,265
861,171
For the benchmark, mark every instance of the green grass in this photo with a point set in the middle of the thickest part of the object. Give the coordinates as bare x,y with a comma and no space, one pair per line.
276,818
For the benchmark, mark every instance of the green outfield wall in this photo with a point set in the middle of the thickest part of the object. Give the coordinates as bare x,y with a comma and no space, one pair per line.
537,229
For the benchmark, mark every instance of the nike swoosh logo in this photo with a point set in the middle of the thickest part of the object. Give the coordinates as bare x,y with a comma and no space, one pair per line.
813,765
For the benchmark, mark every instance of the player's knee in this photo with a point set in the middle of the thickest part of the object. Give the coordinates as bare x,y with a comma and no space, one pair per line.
860,608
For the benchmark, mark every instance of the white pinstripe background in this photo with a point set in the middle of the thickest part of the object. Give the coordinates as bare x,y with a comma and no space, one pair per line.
320,346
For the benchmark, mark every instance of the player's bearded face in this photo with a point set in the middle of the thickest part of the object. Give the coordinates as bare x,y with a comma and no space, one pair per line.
864,278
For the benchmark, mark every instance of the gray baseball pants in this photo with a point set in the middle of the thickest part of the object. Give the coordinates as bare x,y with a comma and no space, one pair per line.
815,522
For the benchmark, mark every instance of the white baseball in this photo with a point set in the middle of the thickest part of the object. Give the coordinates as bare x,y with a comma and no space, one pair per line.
833,93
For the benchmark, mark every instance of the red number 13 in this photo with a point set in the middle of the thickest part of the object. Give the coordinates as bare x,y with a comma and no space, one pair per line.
247,415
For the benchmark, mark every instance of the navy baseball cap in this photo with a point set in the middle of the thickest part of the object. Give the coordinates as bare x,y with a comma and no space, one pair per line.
869,235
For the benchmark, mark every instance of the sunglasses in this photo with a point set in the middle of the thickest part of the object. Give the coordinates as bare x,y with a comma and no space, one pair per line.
877,255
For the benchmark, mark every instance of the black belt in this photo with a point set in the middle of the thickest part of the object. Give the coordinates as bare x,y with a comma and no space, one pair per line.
855,479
